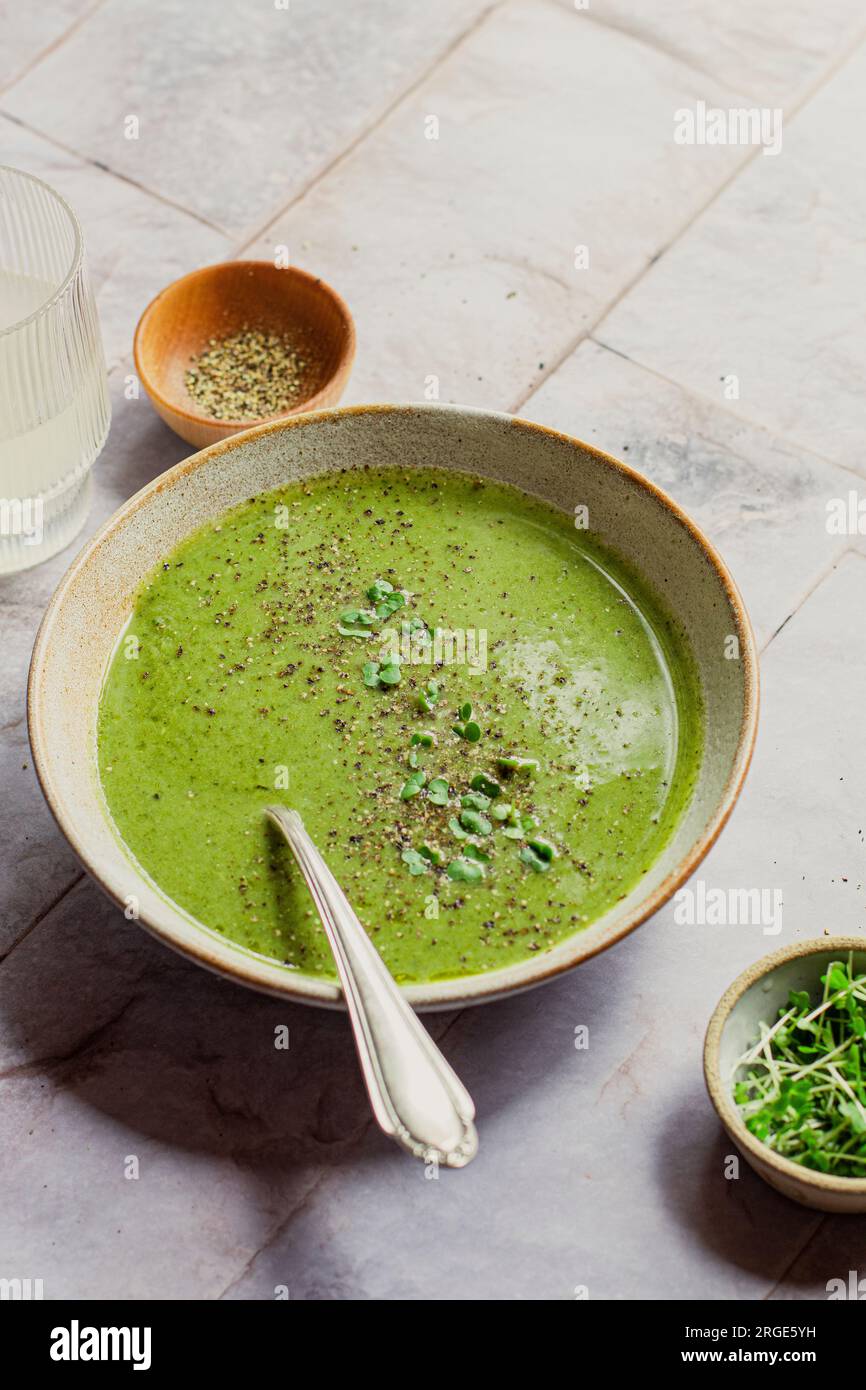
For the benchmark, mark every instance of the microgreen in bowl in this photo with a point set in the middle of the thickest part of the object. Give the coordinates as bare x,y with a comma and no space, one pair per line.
801,1089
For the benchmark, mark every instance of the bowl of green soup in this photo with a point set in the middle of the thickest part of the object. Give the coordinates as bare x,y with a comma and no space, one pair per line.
508,684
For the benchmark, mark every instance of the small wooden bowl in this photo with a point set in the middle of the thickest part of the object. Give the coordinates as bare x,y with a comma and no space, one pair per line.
754,996
228,298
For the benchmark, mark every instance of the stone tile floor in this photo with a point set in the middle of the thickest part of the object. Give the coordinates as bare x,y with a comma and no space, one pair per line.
694,309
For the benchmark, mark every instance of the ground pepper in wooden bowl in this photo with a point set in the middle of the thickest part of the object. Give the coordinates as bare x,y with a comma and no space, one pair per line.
247,376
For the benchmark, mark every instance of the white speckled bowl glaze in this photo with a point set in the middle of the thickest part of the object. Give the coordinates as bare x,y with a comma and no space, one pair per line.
756,996
93,602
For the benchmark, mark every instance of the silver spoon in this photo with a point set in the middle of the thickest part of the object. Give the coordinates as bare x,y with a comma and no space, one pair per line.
416,1097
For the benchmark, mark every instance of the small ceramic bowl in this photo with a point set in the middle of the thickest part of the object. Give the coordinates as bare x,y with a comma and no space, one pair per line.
755,997
223,299
93,603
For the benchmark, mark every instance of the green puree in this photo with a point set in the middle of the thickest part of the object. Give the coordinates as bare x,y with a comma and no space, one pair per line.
234,687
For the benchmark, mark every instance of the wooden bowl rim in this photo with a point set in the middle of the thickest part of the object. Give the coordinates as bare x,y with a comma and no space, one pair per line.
347,355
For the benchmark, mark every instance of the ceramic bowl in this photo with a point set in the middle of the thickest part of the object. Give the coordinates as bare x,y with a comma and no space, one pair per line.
630,515
754,997
227,298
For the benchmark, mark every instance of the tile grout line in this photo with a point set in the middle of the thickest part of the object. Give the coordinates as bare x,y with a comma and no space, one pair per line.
820,579
654,47
589,331
52,46
250,238
324,1173
790,1265
114,173
41,916
796,107
722,408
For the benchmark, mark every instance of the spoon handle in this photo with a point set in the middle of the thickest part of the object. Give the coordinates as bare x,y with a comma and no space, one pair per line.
416,1097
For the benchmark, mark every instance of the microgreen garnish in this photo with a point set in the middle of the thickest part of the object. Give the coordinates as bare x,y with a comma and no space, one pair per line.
473,852
428,697
480,783
543,848
382,673
477,803
356,622
801,1088
475,822
465,871
385,672
359,622
530,857
471,731
418,863
437,792
390,603
412,786
389,672
519,767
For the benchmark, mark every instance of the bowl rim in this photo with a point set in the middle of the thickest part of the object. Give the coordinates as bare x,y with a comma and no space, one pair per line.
719,1092
254,971
307,406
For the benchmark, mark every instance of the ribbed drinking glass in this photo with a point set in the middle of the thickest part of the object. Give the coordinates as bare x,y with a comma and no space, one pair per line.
54,410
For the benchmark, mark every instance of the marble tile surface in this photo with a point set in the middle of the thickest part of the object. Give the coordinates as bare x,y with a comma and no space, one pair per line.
433,241
186,1136
29,31
135,244
240,105
761,501
781,308
772,53
831,1265
155,1142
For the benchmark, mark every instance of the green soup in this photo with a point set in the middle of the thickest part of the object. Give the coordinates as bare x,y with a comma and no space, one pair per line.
489,726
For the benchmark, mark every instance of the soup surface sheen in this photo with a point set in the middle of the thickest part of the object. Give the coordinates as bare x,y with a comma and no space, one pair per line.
233,687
